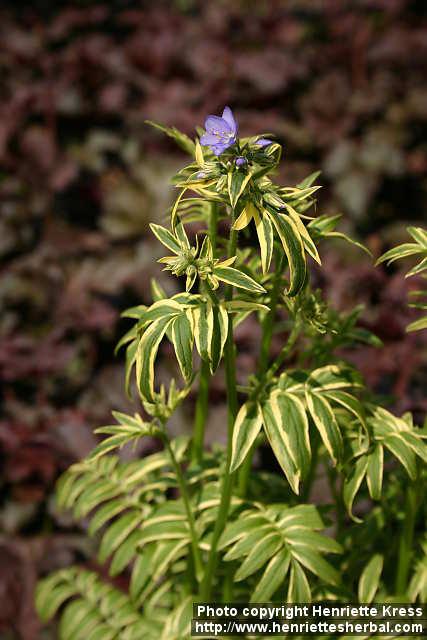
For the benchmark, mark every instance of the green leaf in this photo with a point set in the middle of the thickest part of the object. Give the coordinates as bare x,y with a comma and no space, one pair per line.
178,623
166,238
246,428
264,230
296,194
203,329
165,530
236,306
343,236
324,419
133,423
294,249
109,444
198,153
349,402
141,572
261,552
102,632
306,238
374,472
174,210
398,447
245,217
166,554
417,325
237,278
131,352
273,576
303,536
135,312
182,339
126,552
180,138
332,377
419,268
157,291
299,589
309,180
106,513
94,494
49,596
219,336
117,533
237,181
415,442
246,543
324,224
419,235
314,562
181,235
279,443
352,484
239,528
292,420
146,355
302,515
370,578
160,310
130,335
78,620
396,253
210,332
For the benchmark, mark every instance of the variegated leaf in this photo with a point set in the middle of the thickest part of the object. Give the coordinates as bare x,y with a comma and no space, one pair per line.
246,428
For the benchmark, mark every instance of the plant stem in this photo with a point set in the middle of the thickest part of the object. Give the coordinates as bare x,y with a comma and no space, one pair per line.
293,336
266,337
407,538
201,412
202,402
187,504
213,225
268,323
228,478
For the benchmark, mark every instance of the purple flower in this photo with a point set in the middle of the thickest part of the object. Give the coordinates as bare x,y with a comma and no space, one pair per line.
263,142
240,161
221,132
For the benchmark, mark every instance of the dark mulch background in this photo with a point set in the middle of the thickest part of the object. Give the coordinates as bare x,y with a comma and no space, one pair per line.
342,85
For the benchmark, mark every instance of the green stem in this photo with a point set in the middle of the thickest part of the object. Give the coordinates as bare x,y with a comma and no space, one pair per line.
287,349
407,538
187,504
202,402
228,478
213,225
201,412
266,337
268,323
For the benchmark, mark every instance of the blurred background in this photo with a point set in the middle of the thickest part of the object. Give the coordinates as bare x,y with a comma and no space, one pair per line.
341,84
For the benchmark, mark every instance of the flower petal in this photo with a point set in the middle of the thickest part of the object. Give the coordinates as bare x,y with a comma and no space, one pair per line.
217,125
227,115
219,148
263,142
208,138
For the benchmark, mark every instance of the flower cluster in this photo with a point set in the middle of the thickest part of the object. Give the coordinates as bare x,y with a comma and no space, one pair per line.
221,134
